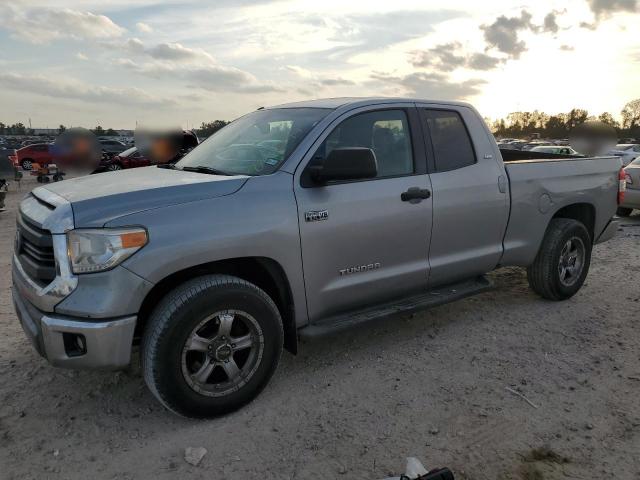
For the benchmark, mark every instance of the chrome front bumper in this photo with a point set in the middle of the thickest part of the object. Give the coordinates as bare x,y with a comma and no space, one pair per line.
64,340
73,343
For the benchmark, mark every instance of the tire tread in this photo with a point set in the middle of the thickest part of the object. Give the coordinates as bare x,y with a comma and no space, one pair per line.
158,324
541,274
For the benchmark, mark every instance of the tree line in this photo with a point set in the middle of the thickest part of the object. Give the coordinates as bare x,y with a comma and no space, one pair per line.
516,124
20,129
524,124
15,129
209,128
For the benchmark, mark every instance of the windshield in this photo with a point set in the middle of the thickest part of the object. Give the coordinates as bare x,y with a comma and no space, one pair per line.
255,144
129,151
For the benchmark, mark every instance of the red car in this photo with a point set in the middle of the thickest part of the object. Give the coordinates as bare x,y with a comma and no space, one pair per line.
39,153
133,157
130,158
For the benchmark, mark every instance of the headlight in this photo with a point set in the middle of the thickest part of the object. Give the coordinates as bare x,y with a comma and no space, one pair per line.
96,250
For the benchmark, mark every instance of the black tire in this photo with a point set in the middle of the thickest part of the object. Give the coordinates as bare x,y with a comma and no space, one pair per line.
114,167
173,322
26,164
624,211
544,274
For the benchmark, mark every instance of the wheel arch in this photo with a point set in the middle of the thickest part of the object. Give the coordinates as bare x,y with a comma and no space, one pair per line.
584,213
263,272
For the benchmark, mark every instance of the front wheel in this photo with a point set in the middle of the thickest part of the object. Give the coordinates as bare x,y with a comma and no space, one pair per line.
114,167
211,346
26,164
562,263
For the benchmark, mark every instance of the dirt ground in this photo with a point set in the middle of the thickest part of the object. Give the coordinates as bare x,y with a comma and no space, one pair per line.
432,386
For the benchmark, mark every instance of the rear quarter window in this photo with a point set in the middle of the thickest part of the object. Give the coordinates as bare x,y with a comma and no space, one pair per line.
452,145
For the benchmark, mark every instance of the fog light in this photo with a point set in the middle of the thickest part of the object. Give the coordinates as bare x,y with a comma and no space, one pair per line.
75,344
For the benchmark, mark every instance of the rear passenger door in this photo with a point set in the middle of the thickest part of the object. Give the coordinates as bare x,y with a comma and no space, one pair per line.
470,200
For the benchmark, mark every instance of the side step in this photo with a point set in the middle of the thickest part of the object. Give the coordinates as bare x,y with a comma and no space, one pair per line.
432,298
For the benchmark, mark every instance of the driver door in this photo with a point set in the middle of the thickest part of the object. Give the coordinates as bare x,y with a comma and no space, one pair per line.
362,243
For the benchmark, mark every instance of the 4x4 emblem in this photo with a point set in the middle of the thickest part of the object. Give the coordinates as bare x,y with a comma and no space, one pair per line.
316,215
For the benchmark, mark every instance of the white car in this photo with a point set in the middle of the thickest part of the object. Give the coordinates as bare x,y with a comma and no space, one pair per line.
627,152
632,194
557,149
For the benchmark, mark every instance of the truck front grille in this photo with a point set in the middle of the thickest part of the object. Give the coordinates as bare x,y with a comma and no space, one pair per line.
34,247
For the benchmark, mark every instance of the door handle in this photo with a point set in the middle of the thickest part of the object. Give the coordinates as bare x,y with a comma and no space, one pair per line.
415,194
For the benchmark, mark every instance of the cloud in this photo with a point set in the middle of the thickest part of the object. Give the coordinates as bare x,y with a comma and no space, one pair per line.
482,61
81,56
368,32
443,57
503,33
550,24
133,45
446,57
144,27
567,48
317,81
605,8
50,87
337,81
170,52
434,86
212,77
177,53
42,25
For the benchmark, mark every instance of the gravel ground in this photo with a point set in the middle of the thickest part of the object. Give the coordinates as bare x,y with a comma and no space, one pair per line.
432,385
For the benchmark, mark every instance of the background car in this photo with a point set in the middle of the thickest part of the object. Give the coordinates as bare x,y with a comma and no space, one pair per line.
632,194
112,147
37,153
133,157
557,149
130,158
626,151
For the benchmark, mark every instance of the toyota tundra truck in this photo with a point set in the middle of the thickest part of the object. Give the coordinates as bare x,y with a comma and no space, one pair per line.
294,222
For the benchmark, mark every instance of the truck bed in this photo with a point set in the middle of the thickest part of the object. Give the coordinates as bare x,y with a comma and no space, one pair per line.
509,156
541,187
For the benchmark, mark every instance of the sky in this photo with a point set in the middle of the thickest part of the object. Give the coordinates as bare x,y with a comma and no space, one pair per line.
122,63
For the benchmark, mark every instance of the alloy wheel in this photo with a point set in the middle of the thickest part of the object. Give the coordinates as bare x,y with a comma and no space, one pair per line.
222,353
571,261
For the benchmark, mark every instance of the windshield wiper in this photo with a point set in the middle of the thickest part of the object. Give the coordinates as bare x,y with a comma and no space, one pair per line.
203,169
168,166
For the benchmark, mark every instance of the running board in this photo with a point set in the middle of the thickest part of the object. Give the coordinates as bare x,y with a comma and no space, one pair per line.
432,298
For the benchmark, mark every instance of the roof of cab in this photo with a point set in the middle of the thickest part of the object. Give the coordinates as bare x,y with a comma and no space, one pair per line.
359,101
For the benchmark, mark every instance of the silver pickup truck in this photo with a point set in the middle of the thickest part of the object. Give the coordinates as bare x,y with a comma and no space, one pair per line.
293,222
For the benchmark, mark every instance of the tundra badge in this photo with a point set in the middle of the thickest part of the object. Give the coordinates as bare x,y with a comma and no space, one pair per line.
316,215
360,268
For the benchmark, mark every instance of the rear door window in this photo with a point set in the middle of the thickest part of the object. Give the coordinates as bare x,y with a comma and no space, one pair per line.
450,139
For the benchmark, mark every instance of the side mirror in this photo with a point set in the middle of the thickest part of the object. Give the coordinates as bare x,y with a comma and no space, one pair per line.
351,163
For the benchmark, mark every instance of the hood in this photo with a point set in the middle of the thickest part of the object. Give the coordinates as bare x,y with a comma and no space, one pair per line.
98,199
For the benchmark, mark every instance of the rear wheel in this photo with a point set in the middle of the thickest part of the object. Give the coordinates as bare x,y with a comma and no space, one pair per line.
26,164
114,167
211,346
562,263
624,212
